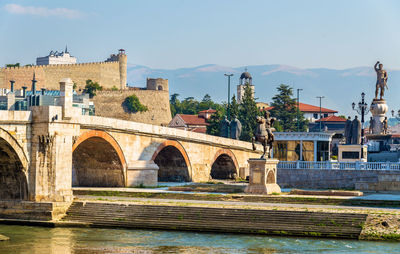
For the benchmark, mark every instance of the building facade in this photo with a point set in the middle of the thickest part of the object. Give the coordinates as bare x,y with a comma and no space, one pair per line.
55,57
302,146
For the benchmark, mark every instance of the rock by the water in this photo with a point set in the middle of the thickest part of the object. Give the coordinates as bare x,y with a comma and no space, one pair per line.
4,238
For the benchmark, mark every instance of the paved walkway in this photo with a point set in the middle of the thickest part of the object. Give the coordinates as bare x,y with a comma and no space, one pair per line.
226,203
367,196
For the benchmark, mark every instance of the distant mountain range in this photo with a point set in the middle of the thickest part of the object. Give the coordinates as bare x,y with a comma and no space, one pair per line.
340,87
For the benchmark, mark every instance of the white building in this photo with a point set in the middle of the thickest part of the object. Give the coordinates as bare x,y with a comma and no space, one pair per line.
56,58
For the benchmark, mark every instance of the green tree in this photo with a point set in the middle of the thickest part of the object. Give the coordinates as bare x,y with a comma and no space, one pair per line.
190,106
91,88
285,110
12,65
234,108
133,105
248,113
214,123
175,104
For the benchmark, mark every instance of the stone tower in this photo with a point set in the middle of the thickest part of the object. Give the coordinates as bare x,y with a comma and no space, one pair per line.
244,79
123,65
158,84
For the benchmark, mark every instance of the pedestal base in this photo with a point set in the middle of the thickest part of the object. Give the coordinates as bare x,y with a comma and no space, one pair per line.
262,178
378,110
352,153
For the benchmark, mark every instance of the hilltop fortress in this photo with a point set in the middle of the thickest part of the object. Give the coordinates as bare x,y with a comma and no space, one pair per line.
110,73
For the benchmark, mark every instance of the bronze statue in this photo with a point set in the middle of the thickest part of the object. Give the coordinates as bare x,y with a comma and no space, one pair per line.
264,134
356,131
371,125
385,126
236,128
347,131
381,79
225,127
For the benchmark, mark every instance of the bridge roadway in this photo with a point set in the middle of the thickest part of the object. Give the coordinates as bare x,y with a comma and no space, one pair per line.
46,151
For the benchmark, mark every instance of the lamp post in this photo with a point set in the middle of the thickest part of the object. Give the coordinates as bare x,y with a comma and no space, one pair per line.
229,94
362,110
298,108
320,110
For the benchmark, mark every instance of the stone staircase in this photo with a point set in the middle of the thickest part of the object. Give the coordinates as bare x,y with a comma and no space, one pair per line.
273,222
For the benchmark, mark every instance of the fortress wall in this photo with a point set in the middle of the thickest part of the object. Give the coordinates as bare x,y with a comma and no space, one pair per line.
49,76
109,104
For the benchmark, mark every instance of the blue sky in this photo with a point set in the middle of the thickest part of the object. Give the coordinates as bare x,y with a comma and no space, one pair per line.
178,33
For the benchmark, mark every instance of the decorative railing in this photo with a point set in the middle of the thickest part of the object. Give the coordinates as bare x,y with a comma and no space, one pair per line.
339,165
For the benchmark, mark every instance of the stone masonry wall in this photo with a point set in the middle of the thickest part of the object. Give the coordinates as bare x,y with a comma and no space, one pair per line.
332,178
107,74
109,104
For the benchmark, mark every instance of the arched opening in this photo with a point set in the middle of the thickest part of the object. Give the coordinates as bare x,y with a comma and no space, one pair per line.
159,88
271,176
223,168
13,183
172,165
97,163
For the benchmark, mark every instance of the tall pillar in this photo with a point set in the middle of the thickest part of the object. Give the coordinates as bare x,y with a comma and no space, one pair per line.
315,150
123,65
66,97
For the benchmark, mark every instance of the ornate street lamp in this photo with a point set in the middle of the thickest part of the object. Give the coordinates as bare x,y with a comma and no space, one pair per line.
362,110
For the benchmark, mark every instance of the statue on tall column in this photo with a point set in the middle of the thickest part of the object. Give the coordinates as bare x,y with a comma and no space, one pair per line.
236,128
225,127
381,79
347,131
356,131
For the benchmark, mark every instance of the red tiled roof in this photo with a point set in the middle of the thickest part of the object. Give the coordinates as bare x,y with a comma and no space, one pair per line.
200,130
309,108
332,119
193,119
208,111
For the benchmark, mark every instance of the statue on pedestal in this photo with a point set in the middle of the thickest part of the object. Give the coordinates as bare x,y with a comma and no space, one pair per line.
381,79
385,126
371,125
225,127
236,128
264,134
347,131
356,131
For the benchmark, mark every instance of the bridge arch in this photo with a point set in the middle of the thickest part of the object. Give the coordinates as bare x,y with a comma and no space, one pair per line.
173,162
97,161
224,165
13,168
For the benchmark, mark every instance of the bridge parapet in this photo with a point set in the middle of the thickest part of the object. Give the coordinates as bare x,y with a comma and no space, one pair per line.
95,122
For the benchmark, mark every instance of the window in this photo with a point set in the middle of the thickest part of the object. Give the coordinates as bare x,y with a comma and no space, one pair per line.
316,116
350,155
325,115
159,88
322,150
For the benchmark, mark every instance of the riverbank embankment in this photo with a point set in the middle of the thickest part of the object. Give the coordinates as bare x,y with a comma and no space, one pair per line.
234,213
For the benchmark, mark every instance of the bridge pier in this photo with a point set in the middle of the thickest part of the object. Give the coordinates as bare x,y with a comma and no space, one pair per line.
50,173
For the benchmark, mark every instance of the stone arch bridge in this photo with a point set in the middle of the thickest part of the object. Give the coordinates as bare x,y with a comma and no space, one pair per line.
46,151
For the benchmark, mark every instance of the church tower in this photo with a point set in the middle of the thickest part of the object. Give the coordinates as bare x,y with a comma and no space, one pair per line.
245,78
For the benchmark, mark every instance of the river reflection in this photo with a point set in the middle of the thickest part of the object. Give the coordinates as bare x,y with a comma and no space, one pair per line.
26,239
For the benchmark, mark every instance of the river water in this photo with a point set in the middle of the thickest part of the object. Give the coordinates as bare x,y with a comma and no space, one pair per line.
26,239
